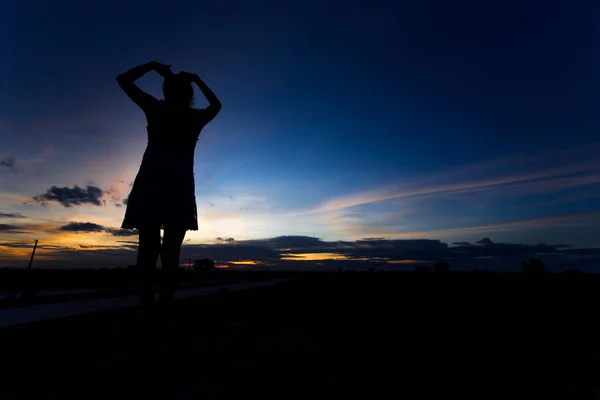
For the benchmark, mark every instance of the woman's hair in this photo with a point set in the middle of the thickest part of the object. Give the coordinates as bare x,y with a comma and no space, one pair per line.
178,89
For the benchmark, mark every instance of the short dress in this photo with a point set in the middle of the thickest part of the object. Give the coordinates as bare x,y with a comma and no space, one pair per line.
163,192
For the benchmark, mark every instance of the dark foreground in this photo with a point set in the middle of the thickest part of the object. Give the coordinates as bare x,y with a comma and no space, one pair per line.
379,335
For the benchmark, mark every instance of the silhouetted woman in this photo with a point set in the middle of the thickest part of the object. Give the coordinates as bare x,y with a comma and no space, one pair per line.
162,196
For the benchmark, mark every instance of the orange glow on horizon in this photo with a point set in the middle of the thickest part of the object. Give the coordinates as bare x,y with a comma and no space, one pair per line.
19,250
314,256
245,262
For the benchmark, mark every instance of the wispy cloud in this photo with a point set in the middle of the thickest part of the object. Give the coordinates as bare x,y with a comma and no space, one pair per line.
563,221
12,215
41,157
14,229
532,180
8,164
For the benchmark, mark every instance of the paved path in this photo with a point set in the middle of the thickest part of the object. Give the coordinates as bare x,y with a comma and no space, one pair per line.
22,315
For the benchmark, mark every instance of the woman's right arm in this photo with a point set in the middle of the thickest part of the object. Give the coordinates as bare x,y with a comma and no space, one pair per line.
127,82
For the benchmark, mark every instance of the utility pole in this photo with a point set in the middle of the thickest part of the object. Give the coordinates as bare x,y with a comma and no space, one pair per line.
29,290
32,254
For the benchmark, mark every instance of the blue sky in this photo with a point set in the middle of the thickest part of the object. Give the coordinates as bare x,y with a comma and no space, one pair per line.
341,120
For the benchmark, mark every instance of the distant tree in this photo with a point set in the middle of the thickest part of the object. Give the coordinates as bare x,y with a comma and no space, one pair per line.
441,267
205,264
533,266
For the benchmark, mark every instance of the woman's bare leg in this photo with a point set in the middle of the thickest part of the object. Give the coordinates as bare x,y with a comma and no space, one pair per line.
169,256
148,251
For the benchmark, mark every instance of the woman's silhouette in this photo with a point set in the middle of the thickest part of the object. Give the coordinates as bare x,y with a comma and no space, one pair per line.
163,194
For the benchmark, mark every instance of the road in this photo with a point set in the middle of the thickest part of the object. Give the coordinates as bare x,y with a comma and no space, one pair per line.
22,315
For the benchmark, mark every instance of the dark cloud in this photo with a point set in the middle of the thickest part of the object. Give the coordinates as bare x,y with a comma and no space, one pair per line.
300,242
272,250
6,228
122,232
382,253
12,215
91,227
8,163
69,197
127,241
16,245
229,240
128,244
82,227
125,200
421,249
360,254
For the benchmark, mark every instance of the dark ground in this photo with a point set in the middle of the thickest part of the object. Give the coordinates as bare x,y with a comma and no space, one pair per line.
377,334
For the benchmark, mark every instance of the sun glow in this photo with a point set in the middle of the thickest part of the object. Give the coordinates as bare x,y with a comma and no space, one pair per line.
314,256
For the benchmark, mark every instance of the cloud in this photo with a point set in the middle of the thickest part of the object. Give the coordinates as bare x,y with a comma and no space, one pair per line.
305,252
552,221
485,242
122,232
92,227
15,229
282,242
383,194
42,157
220,239
69,197
12,215
513,175
9,164
82,227
127,241
309,253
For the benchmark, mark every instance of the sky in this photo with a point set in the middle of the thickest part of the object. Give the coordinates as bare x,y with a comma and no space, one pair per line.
341,121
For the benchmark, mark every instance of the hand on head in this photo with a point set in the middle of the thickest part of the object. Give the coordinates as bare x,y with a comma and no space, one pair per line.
163,69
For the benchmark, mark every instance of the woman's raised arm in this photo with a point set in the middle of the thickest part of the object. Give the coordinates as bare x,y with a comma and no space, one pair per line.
127,82
214,104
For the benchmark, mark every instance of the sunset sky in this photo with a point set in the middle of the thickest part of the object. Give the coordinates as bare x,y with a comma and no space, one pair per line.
341,120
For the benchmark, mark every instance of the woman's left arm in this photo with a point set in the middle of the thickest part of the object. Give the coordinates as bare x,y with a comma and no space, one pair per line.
214,104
